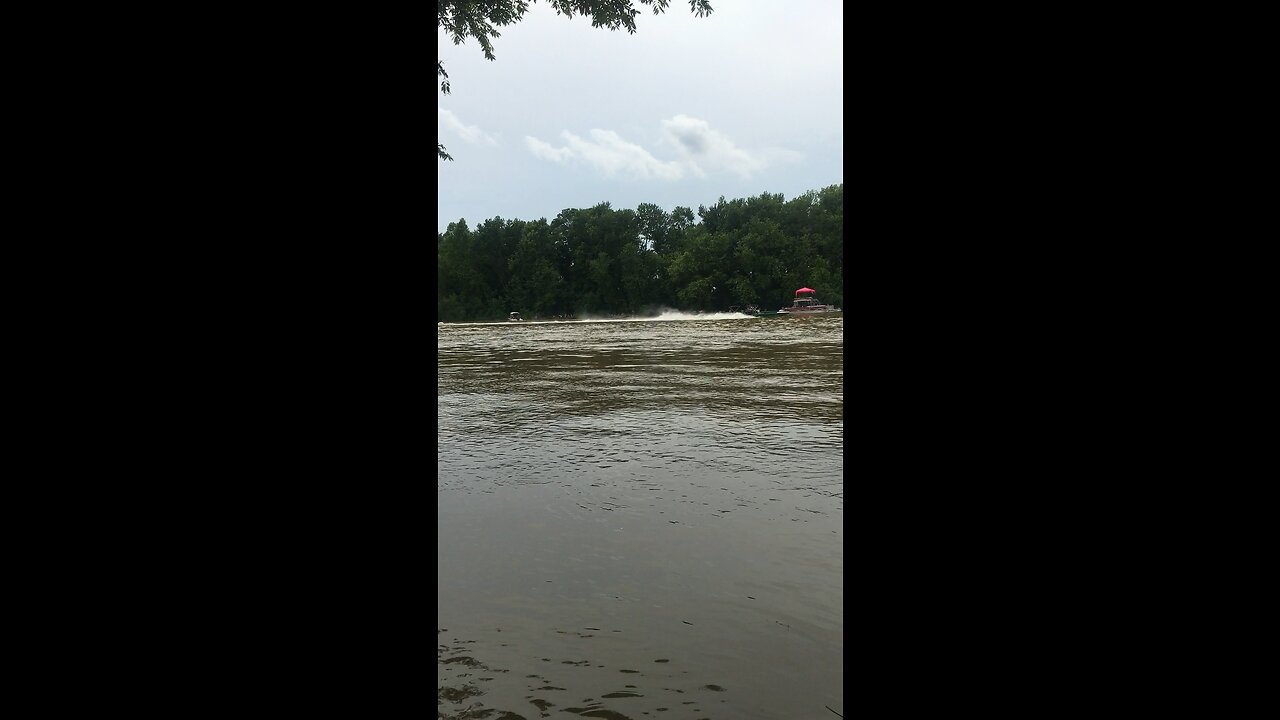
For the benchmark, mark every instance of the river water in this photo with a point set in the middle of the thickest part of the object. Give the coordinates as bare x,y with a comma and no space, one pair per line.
641,519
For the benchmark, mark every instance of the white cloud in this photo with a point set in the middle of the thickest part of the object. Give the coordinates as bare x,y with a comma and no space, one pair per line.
704,149
545,151
612,155
471,133
700,151
608,153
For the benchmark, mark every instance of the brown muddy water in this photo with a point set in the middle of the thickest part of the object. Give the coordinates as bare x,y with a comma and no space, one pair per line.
641,519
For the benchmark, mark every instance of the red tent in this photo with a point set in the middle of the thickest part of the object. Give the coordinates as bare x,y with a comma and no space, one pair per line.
808,290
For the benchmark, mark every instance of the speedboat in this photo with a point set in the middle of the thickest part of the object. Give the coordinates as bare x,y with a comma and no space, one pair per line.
515,317
754,311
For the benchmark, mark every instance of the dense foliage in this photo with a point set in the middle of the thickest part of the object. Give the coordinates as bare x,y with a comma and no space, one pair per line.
601,261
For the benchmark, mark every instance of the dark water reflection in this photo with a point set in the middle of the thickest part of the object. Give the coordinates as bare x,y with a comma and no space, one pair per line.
641,519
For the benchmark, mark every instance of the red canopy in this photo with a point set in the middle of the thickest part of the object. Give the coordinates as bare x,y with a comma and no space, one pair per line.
808,290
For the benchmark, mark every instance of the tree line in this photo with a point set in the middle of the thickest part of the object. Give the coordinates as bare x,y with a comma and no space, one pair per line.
601,261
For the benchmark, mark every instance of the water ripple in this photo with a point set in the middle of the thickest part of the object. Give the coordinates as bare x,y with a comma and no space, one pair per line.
637,518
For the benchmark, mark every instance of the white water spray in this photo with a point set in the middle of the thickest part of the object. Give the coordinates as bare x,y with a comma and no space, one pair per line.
664,316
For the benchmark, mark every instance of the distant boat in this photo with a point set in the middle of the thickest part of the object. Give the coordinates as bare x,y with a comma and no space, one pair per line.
754,311
515,317
806,303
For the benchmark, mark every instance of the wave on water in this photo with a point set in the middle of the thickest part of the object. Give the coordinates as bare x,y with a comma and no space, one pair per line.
665,316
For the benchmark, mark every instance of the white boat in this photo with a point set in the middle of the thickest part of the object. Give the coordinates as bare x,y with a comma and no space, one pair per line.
515,317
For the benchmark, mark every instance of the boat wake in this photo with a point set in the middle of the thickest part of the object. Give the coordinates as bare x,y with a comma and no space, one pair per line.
667,316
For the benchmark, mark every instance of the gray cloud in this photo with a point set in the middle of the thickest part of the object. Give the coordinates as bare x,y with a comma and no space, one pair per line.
691,140
707,150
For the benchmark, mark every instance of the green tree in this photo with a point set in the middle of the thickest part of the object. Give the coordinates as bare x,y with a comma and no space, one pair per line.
480,20
536,287
593,260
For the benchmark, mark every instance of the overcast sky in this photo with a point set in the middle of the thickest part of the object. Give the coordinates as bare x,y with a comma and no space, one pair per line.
749,99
